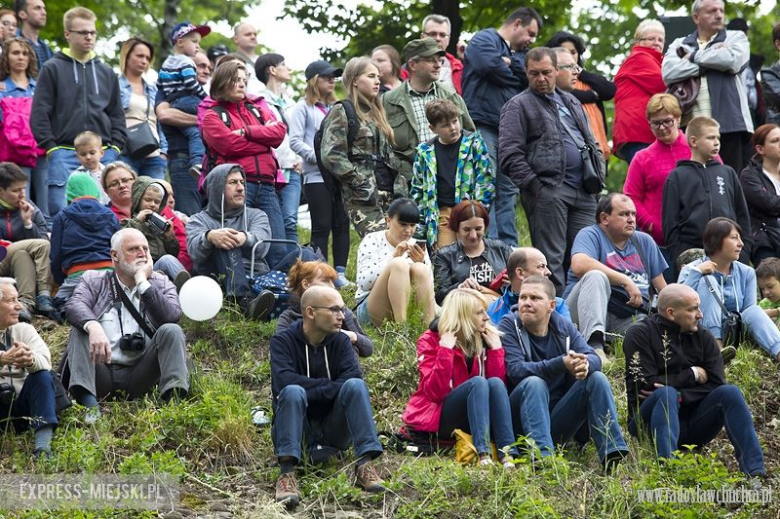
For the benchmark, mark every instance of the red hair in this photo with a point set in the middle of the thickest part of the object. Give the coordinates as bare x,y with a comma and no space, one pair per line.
308,270
465,210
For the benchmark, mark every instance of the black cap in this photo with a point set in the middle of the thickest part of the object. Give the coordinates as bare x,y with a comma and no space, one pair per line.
738,24
322,68
216,51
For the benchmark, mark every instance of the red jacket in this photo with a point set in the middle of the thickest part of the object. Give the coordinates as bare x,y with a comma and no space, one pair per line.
441,370
252,151
457,72
637,80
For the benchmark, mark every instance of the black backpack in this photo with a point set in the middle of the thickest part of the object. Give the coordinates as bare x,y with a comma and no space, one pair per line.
210,158
353,125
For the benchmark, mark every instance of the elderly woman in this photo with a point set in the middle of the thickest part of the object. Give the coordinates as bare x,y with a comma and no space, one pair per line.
473,261
305,274
138,101
638,79
726,285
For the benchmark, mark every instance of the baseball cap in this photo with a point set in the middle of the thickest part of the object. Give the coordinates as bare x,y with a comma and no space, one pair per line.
216,51
423,48
180,30
322,68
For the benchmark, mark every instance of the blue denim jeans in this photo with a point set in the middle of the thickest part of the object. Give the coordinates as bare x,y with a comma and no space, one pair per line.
169,265
62,162
724,406
195,147
154,167
289,200
480,407
351,420
39,187
264,197
502,212
630,149
588,402
33,407
185,186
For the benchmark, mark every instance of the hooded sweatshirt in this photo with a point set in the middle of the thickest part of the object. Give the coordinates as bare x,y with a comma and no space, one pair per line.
81,238
159,245
253,222
72,96
320,370
12,227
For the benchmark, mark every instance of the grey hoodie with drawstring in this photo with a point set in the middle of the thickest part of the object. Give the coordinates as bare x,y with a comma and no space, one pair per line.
253,222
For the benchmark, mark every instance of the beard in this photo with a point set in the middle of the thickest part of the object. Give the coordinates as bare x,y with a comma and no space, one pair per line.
131,268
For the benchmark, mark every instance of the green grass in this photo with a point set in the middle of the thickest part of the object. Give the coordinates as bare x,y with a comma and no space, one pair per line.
221,460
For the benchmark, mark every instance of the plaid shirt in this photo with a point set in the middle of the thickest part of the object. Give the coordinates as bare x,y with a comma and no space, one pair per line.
419,100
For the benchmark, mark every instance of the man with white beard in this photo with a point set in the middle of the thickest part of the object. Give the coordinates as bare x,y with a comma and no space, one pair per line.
124,336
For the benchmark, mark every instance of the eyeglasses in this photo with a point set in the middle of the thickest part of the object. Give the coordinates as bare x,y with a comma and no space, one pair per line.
573,67
430,59
662,123
84,34
537,73
335,310
118,182
433,34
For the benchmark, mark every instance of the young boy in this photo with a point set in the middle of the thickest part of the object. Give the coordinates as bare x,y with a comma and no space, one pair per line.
89,151
179,84
701,189
149,200
451,167
768,275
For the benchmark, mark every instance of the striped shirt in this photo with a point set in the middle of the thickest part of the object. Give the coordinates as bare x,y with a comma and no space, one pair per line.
178,78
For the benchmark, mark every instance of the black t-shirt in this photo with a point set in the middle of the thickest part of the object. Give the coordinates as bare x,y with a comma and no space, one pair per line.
481,271
540,346
446,166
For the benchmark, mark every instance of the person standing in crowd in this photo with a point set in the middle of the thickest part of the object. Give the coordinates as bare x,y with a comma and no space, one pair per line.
7,25
75,90
590,89
715,56
638,78
32,17
494,72
328,214
462,374
368,173
245,38
405,106
138,99
538,150
770,83
275,74
439,28
388,60
752,86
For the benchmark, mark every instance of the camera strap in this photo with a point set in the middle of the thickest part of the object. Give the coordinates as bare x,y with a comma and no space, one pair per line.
130,308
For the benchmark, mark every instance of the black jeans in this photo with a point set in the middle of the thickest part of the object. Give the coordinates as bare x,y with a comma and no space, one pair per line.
327,217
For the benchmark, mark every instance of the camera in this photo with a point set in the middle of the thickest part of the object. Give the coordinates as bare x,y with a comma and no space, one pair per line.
7,394
134,342
157,223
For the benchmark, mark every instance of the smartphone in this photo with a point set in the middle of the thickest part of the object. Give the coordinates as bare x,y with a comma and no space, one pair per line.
423,244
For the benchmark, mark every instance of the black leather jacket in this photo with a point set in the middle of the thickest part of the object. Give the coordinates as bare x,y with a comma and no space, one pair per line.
451,265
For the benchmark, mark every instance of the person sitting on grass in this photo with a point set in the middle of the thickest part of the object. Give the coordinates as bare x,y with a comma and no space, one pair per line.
676,385
462,373
451,167
555,381
306,274
318,389
150,198
25,364
768,275
389,264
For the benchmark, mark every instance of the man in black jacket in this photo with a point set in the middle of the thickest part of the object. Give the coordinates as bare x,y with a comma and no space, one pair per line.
677,386
318,388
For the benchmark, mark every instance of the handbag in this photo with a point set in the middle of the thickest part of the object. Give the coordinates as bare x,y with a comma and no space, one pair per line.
140,139
591,180
686,91
465,452
731,322
61,399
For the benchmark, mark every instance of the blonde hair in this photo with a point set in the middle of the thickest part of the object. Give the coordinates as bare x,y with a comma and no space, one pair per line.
663,102
646,26
312,93
367,110
697,126
457,316
77,12
86,138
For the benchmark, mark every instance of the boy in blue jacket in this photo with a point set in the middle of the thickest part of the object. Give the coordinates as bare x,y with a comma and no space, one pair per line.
554,377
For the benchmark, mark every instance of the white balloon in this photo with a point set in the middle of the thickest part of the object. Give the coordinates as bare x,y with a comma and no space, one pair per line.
200,298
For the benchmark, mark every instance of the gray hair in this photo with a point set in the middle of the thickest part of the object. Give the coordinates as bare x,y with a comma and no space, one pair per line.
646,26
697,5
436,18
119,236
561,50
7,281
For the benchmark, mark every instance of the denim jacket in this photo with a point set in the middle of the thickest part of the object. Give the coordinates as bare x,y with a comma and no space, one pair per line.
126,90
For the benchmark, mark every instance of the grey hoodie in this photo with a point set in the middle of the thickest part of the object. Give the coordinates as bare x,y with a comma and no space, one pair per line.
253,222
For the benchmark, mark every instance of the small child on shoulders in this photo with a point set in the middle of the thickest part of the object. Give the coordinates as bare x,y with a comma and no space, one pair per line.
768,275
451,167
89,151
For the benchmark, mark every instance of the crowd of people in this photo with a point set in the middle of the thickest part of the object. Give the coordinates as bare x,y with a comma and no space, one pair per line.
115,190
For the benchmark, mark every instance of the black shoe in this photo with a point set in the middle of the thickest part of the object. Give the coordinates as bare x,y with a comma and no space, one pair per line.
41,454
181,278
728,353
613,460
261,306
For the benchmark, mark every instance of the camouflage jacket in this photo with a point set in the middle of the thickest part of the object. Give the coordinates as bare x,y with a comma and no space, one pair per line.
358,178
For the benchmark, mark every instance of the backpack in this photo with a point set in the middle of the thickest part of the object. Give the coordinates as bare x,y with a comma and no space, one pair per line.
332,183
17,143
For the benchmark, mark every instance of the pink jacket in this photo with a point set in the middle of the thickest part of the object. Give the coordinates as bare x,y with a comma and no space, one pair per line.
646,178
441,370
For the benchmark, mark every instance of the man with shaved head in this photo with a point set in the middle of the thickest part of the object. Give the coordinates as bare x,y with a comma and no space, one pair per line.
522,263
318,388
677,387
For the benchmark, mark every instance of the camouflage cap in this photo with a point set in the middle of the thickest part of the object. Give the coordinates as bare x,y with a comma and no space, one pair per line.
424,48
689,256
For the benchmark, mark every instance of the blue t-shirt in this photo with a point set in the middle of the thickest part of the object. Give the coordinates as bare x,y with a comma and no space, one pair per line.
541,347
593,242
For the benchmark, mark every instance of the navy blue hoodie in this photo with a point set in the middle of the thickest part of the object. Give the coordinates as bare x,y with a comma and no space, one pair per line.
322,379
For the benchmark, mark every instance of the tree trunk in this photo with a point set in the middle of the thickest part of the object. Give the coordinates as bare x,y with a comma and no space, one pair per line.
170,15
450,9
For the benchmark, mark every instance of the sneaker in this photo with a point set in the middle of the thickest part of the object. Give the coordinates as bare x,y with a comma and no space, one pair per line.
92,415
603,356
181,278
367,478
341,279
728,353
41,454
26,313
261,306
613,460
45,305
195,171
485,462
287,490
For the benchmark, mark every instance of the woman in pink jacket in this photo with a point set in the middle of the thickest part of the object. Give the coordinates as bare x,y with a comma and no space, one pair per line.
462,374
